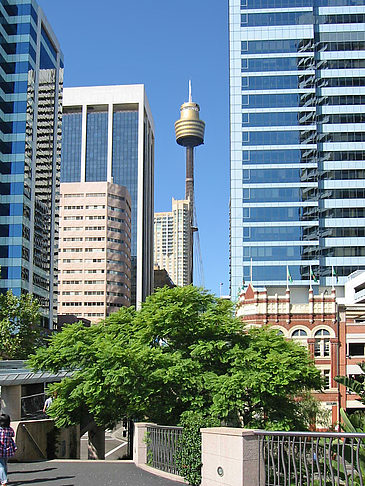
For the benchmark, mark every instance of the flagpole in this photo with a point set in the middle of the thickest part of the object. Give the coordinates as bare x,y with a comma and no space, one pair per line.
310,277
333,278
251,270
287,277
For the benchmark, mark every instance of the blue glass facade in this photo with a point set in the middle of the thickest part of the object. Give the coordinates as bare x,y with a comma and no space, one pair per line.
96,146
125,161
30,124
71,146
297,100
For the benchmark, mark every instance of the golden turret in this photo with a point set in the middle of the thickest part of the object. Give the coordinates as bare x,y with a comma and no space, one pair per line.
189,129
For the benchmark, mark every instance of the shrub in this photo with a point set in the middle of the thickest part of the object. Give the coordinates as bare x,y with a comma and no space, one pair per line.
188,457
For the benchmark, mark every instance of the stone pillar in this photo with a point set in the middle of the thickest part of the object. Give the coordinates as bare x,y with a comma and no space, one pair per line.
231,457
96,442
334,342
311,304
311,342
11,401
139,442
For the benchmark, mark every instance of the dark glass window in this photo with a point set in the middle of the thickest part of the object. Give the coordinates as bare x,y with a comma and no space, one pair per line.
46,62
277,18
307,213
125,160
96,144
274,253
278,156
277,82
276,3
279,119
275,272
280,194
280,233
280,100
271,46
280,175
279,64
71,146
284,137
49,43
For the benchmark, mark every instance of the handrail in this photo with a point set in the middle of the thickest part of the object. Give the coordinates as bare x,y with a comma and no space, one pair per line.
334,435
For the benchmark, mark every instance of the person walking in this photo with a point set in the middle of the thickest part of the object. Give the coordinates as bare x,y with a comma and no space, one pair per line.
7,446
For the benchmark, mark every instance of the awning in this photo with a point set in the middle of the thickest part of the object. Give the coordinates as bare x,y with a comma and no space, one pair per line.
13,372
354,370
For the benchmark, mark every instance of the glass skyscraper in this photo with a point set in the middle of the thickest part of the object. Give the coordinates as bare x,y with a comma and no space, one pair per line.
108,135
297,108
31,74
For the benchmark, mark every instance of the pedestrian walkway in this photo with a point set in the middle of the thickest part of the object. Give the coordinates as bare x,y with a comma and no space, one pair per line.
82,473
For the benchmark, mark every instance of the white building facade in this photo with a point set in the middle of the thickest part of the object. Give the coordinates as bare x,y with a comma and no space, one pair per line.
172,242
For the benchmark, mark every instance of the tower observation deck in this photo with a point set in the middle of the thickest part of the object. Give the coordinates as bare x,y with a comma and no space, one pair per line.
189,131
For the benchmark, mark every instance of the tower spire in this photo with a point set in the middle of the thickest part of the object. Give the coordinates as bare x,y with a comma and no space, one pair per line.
190,98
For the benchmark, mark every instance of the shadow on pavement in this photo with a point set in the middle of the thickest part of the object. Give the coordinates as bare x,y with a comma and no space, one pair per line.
32,471
39,480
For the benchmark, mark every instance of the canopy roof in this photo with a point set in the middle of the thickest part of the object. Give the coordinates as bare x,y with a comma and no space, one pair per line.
14,372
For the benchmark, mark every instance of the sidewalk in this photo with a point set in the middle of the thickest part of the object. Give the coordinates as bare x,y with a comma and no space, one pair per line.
82,473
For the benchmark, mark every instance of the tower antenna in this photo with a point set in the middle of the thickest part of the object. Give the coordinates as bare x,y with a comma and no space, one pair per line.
190,98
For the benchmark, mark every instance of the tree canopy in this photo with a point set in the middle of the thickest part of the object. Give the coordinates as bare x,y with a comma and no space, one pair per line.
19,330
183,351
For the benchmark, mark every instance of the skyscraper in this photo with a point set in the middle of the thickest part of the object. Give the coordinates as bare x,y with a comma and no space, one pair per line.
172,242
31,75
297,96
108,136
94,249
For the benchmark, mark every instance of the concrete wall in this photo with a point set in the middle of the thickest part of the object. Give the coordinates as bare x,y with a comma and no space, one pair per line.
40,439
230,457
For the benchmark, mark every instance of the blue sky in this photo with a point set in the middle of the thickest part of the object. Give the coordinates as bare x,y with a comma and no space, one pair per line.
163,44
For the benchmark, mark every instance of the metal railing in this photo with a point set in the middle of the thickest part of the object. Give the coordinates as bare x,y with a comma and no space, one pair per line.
311,459
162,444
32,406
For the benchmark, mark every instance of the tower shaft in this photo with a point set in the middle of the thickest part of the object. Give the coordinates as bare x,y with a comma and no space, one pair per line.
189,195
189,178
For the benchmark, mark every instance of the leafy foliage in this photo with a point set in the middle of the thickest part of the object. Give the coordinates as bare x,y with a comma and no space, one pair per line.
312,412
19,331
354,423
353,384
189,455
183,351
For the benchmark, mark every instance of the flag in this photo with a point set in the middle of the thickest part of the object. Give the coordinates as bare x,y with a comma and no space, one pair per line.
241,289
290,278
313,277
334,273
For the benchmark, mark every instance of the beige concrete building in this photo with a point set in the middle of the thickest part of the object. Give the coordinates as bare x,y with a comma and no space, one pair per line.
94,249
172,245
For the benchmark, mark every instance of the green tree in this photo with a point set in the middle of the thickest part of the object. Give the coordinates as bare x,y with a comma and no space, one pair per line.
183,351
19,330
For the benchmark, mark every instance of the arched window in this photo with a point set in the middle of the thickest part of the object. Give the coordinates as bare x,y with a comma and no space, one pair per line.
299,333
279,332
322,343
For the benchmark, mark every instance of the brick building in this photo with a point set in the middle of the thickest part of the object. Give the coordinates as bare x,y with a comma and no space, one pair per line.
331,327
